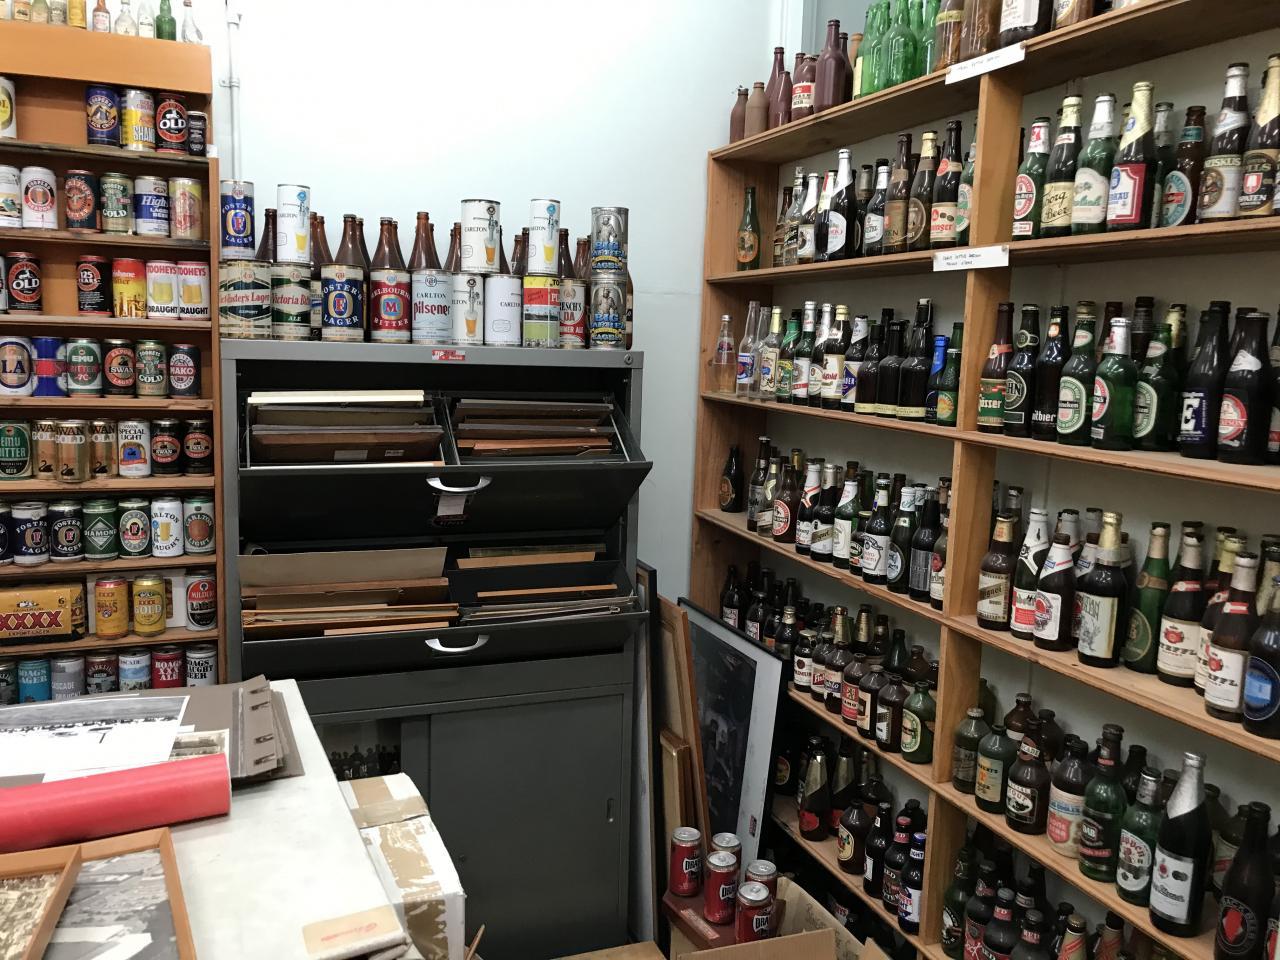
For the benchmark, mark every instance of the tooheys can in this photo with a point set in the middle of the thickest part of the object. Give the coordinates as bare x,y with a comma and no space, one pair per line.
115,200
129,287
573,314
197,447
39,199
341,303
544,237
135,670
80,201
148,607
607,320
481,228
134,445
162,290
44,448
101,673
92,299
111,608
17,366
167,667
202,600
197,524
184,370
119,368
293,228
186,209
432,293
193,290
66,677
166,526
50,366
138,120
202,665
244,299
66,531
197,132
150,206
103,449
608,239
290,301
30,533
389,309
33,680
8,110
175,612
151,357
135,527
102,115
8,682
16,459
171,123
84,367
6,535
466,309
541,319
24,283
166,448
10,197
236,218
101,530
73,451
502,309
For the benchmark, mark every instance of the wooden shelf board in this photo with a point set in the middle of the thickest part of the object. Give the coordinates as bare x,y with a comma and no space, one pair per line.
884,423
1199,239
11,572
1039,849
177,635
49,323
92,405
17,238
104,158
117,485
890,265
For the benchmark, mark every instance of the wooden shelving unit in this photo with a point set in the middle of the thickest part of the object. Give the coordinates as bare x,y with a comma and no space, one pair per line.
1123,38
115,486
177,635
126,567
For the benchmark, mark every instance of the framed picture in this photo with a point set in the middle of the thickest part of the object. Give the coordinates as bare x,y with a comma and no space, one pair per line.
34,886
737,685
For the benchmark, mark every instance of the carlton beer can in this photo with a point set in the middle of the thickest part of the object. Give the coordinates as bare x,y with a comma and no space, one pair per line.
30,533
607,320
341,303
66,531
103,448
66,677
44,446
129,287
481,235
197,447
8,110
133,458
541,318
138,120
17,367
608,239
466,309
544,237
152,360
389,307
197,524
236,219
151,206
39,198
101,532
16,459
119,368
502,310
244,299
202,600
80,201
135,670
202,665
186,209
50,366
193,290
101,673
197,132
72,447
290,301
432,296
92,299
162,290
573,314
166,526
10,196
102,115
25,284
293,229
171,123
184,370
115,201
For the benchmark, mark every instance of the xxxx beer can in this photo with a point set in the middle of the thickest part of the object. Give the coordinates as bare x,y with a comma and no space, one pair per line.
481,235
50,366
17,367
244,299
102,115
171,123
10,196
39,198
293,228
186,209
25,284
115,201
544,238
162,290
466,309
541,318
151,206
16,458
129,287
92,296
80,201
432,296
290,301
236,219
193,290
503,301
149,611
341,303
138,120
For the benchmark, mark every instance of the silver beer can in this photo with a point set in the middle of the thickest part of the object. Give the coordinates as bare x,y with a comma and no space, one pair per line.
133,448
544,237
293,227
609,239
66,677
151,206
467,309
503,305
202,665
607,318
481,235
432,297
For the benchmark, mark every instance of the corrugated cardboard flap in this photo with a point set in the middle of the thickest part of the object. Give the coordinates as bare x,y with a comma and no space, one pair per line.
814,945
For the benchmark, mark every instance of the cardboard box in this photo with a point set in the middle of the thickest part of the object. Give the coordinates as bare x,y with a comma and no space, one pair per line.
411,861
43,613
813,945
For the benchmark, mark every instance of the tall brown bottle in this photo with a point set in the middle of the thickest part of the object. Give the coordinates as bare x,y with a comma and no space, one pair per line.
573,317
775,79
738,116
895,203
780,102
389,288
342,318
366,263
829,71
519,253
319,255
267,245
424,256
503,266
453,261
757,111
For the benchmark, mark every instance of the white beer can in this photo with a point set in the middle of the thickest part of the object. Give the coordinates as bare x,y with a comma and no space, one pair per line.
544,237
193,290
467,309
432,306
481,235
39,199
162,290
293,226
9,114
166,526
133,448
10,197
503,305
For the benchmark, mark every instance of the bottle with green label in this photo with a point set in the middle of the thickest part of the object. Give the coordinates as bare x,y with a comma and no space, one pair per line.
1060,179
1142,647
917,725
949,379
749,234
965,202
1139,831
1113,389
1157,398
1093,169
1028,186
787,359
1075,386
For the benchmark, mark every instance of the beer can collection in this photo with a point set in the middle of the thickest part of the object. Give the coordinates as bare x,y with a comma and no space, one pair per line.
186,208
293,225
10,196
115,200
93,297
137,120
147,596
481,235
544,238
87,367
74,451
39,198
80,193
129,287
171,123
503,303
144,121
162,290
244,299
151,206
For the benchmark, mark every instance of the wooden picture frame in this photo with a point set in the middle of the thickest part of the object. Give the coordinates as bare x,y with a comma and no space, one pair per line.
678,705
62,861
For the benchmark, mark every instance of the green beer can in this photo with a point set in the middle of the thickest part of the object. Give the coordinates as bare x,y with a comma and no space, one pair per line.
101,530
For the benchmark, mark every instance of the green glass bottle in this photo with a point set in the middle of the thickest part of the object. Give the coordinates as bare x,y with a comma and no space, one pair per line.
1028,186
917,725
965,202
1141,649
1155,403
871,78
1139,832
996,753
748,250
1104,809
899,49
949,379
929,39
1113,389
954,902
166,25
1075,386
787,359
1093,169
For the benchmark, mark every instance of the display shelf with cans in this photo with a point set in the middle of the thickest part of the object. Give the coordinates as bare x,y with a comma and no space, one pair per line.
105,154
90,323
173,404
122,565
17,238
177,636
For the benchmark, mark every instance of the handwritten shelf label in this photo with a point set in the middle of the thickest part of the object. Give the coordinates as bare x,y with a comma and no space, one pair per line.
995,60
970,258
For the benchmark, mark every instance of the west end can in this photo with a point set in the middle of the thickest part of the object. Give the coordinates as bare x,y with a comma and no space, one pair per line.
467,309
162,290
609,239
25,283
135,527
51,366
244,299
197,524
544,237
10,196
133,439
481,229
573,314
138,120
432,293
186,209
129,287
16,460
39,199
17,367
80,201
202,600
293,227
92,299
171,123
389,306
341,303
193,290
503,303
236,218
151,206
184,370
290,301
541,317
607,321
115,200
202,665
102,115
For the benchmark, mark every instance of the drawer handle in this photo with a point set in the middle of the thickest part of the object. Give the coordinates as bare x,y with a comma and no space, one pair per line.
437,484
435,644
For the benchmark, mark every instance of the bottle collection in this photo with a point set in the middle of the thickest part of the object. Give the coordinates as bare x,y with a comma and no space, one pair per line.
158,23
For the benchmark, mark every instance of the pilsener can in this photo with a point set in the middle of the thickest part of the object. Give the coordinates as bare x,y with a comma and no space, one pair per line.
291,301
481,235
8,682
573,313
293,229
167,666
73,451
110,607
541,319
116,202
101,673
92,298
84,367
10,196
186,209
544,238
129,287
16,459
197,132
502,309
607,321
608,239
341,303
197,524
171,123
166,447
101,530
202,665
102,115
17,366
432,295
184,370
66,531
151,357
33,680
119,368
236,219
467,309
50,366
134,445
24,283
44,447
244,299
166,526
150,206
148,607
80,201
104,452
162,290
135,669
193,290
39,199
202,600
138,120
197,447
135,527
30,533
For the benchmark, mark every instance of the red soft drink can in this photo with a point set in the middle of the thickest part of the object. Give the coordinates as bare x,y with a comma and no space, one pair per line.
763,871
755,913
720,887
686,862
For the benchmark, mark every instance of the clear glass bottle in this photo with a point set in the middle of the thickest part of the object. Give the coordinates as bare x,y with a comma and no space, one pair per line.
146,19
125,24
190,29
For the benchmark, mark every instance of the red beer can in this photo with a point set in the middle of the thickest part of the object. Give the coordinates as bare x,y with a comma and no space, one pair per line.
755,913
168,668
686,862
720,887
763,871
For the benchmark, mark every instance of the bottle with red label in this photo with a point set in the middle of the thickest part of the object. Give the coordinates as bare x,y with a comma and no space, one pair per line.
815,792
1247,892
1180,617
979,909
1133,178
1229,644
389,289
1244,418
1028,186
1001,934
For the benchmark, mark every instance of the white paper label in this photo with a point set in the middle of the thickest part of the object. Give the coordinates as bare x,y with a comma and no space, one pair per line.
970,258
1171,886
995,60
1225,683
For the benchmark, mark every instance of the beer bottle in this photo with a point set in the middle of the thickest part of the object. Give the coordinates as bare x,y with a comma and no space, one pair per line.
821,542
979,909
1165,157
1221,181
821,222
954,901
1230,549
775,77
1182,183
389,309
1258,181
452,260
851,836
1244,417
780,101
937,363
837,659
869,372
853,359
1270,570
833,360
904,529
922,544
1027,796
1247,893
1059,190
1113,390
764,516
875,541
1020,378
791,222
896,196
424,256
788,634
1262,686
864,188
1104,807
780,223
1066,799
802,355
873,233
1155,410
768,350
802,86
964,750
813,394
808,505
889,704
1182,854
911,886
787,360
805,238
1202,389
1142,328
965,202
1229,645
815,792
1142,648
845,522
888,373
1132,770
949,380
1031,557
840,217
877,843
900,52
267,245
913,374
1139,831
996,754
1023,20
1102,601
519,253
748,245
731,483
1028,188
943,210
995,577
991,391
1048,375
756,614
802,656
920,205
319,255
349,255
731,597
368,274
1133,178
755,484
1055,597
786,504
1093,169
829,71
1001,936
869,688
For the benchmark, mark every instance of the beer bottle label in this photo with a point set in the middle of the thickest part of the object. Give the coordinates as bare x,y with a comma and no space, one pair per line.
917,220
803,672
836,235
786,374
1258,183
1178,205
802,96
1224,851
911,730
769,371
1261,690
1025,192
814,388
1096,636
908,902
1124,200
964,765
884,719
1133,866
1178,645
988,786
1092,190
1171,880
832,684
849,702
993,597
820,540
964,203
1233,421
1020,802
875,555
746,368
937,578
1140,636
864,717
748,247
1220,187
1015,398
1202,656
947,408
1224,685
849,382
1047,615
1073,405
918,572
1018,14
832,375
1273,435
1024,611
804,533
873,229
896,563
818,681
943,222
973,934
844,845
1145,404
1101,403
1194,426
753,629
1056,209
1062,826
800,378
895,223
804,242
1093,837
991,400
843,534
1239,930
781,518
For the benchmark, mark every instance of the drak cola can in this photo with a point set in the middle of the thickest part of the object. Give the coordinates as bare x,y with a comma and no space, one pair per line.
754,919
236,219
685,874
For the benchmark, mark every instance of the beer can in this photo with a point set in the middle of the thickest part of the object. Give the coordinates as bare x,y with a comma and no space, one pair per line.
17,366
16,459
135,527
171,123
175,611
606,324
389,292
481,235
129,287
197,132
44,447
138,120
541,318
202,665
92,299
134,445
573,314
148,608
719,886
110,607
341,303
244,299
193,290
6,535
8,682
166,448
119,368
544,238
186,208
66,531
166,526
608,239
197,447
167,667
72,444
4,284
184,370
24,283
10,196
66,677
8,110
150,206
103,448
30,533
290,301
197,524
115,201
39,199
466,309
102,115
135,669
151,358
502,309
80,201
101,673
202,600
33,680
84,367
50,366
101,530
293,228
432,294
236,218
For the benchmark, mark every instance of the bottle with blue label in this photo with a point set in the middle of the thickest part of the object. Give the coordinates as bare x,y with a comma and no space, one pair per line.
1202,389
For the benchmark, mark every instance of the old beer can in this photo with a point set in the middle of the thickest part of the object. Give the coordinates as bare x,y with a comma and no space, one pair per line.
466,309
197,524
72,450
50,366
101,530
6,535
166,526
119,368
341,303
197,447
137,120
166,447
290,301
115,201
134,445
503,301
39,199
432,296
186,209
33,680
16,459
171,123
8,682
66,531
607,321
293,229
30,533
151,357
17,366
129,287
244,299
167,667
104,451
184,370
541,318
135,527
66,677
101,673
162,290
92,297
193,290
481,234
236,219
102,115
148,610
150,206
24,283
573,314
44,448
10,196
135,669
544,238
197,133
80,201
8,110
389,309
608,239
84,367
202,600
202,665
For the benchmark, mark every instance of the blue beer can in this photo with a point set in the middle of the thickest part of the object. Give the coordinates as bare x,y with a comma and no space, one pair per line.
236,205
51,366
151,206
34,680
102,115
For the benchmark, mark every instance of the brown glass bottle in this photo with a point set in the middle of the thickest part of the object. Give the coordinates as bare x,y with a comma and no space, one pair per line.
757,116
389,288
267,245
995,576
889,714
785,507
738,116
1182,183
775,78
897,197
519,253
780,102
453,260
1016,720
802,84
947,36
829,71
851,838
1026,806
424,256
349,255
869,689
1229,645
319,255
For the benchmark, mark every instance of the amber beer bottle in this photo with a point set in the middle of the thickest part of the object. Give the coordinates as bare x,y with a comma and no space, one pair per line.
267,244
1229,646
1244,417
994,380
995,577
319,255
944,214
920,205
368,268
1221,181
830,71
896,199
349,325
1258,185
1133,178
424,256
389,317
1182,184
